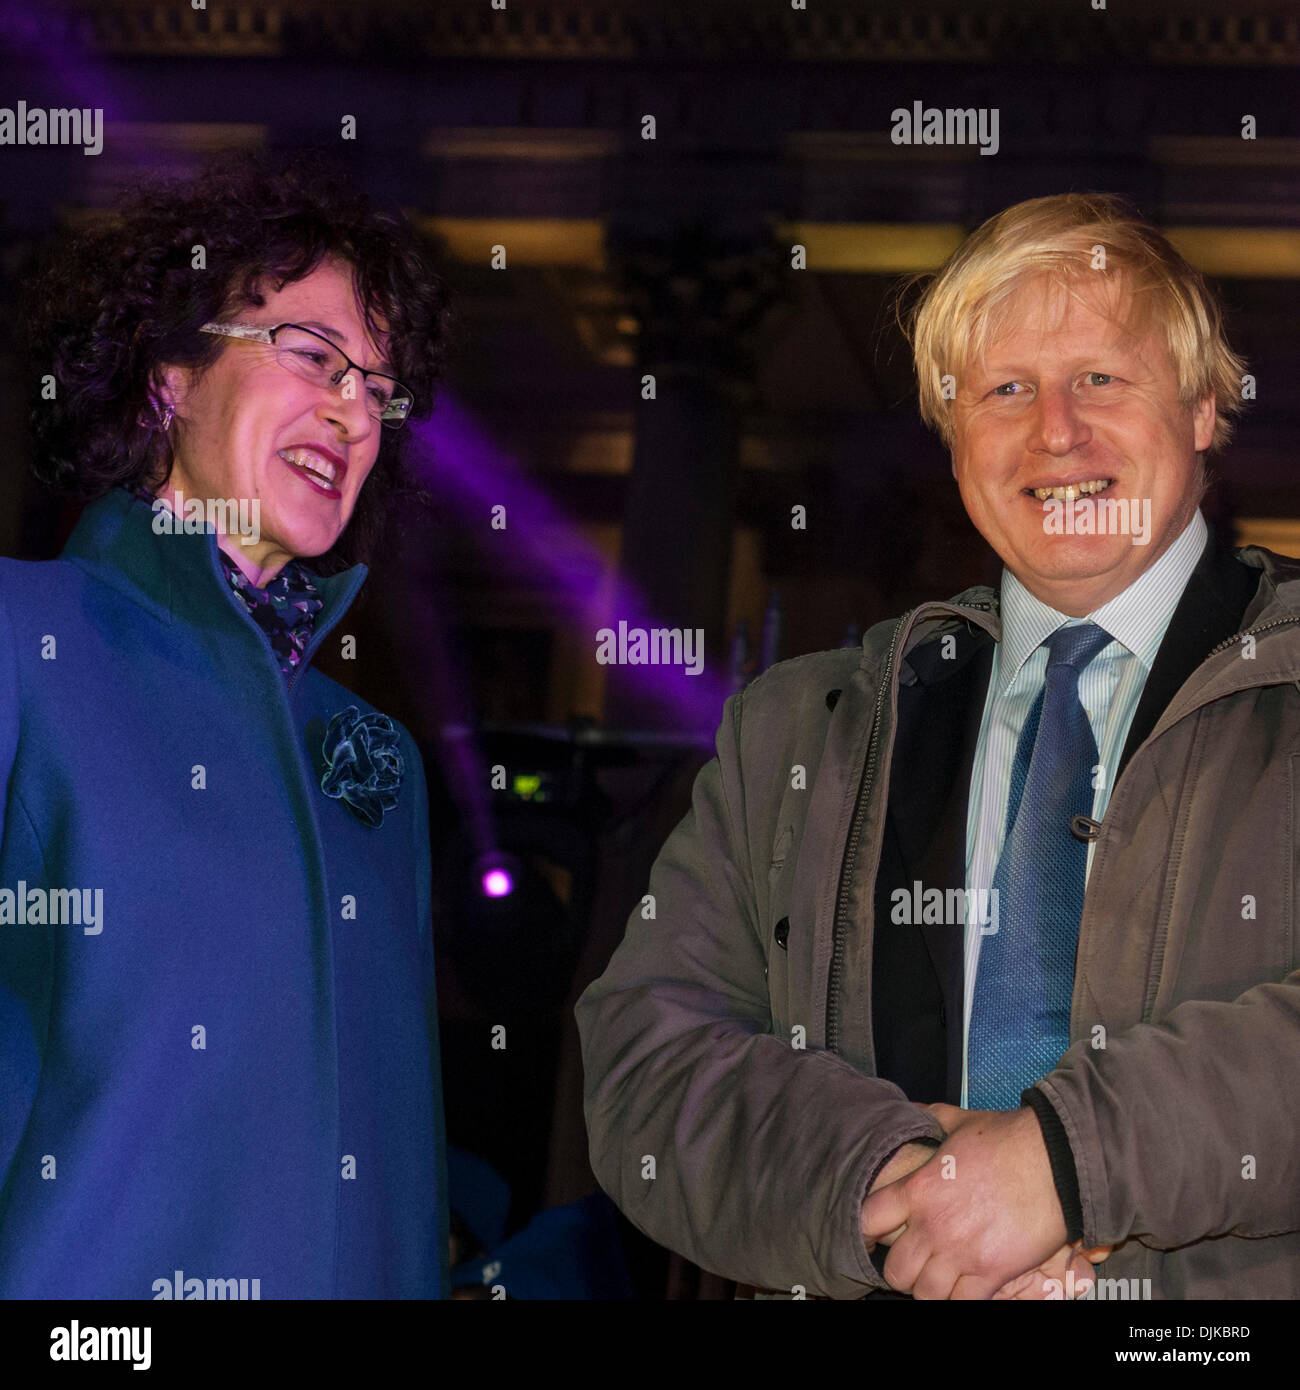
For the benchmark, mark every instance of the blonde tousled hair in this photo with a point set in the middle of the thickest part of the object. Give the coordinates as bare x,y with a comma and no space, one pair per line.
962,307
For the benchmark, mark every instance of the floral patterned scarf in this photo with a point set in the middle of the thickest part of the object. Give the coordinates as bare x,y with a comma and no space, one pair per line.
285,609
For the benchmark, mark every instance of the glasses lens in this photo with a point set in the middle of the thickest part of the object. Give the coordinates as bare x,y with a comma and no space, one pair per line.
308,355
320,361
399,406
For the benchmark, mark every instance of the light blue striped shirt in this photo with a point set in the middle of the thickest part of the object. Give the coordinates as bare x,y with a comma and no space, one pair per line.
1109,689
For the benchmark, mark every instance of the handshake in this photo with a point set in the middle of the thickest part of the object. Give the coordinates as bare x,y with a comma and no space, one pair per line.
977,1217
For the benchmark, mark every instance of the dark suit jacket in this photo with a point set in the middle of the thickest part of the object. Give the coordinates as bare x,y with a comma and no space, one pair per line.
917,990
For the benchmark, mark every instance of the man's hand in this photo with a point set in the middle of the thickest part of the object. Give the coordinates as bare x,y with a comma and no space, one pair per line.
1057,1269
1070,1268
904,1161
980,1213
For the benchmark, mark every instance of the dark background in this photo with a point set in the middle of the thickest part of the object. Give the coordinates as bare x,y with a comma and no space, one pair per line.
775,387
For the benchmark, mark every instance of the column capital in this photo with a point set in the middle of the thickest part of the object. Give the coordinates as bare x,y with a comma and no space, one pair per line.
699,298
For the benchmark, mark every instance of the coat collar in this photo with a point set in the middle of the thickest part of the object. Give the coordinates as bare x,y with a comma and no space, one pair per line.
177,577
1274,580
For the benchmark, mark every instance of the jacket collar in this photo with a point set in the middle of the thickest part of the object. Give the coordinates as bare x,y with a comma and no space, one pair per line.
1275,580
178,577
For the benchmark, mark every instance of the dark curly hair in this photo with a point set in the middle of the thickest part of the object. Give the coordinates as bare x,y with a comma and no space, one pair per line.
112,303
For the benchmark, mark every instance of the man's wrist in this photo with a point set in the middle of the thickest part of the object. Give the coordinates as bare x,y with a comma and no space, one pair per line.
1065,1178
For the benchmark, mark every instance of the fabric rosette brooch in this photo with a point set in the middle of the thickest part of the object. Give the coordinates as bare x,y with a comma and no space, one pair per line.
363,763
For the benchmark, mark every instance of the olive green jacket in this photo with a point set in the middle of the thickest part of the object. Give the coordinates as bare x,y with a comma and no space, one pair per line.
725,1127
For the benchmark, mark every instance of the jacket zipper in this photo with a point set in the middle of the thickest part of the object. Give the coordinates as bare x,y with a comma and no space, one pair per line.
1248,632
839,923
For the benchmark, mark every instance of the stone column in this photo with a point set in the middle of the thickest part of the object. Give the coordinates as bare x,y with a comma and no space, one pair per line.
698,299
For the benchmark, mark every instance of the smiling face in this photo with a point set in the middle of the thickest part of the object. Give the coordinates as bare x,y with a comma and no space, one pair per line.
1064,396
235,421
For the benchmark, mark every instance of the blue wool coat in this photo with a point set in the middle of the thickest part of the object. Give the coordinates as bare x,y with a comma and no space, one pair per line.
234,1072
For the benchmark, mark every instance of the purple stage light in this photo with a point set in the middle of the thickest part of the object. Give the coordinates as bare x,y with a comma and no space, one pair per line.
457,456
497,883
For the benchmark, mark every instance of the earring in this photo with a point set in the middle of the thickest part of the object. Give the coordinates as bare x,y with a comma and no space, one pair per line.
157,422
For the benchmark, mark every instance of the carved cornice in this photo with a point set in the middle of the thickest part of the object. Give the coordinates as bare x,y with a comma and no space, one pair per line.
1185,32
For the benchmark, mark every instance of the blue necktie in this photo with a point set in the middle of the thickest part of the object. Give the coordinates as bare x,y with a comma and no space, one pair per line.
1020,1015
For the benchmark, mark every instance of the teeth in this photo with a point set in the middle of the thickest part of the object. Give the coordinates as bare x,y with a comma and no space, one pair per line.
1072,490
312,461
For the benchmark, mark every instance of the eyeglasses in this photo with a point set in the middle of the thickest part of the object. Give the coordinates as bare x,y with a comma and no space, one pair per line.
321,362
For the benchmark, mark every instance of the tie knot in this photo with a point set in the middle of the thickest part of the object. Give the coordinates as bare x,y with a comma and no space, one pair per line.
1075,646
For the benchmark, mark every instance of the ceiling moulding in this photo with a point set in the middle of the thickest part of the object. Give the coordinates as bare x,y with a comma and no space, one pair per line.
1226,151
529,241
872,248
183,137
1242,253
882,248
521,143
897,247
864,147
1194,32
171,29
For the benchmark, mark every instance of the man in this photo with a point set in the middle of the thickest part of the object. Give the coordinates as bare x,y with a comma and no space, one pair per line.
805,1075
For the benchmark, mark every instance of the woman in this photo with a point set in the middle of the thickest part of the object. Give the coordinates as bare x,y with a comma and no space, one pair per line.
218,1046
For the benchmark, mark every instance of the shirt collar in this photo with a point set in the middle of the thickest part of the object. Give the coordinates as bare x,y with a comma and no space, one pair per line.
1136,618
